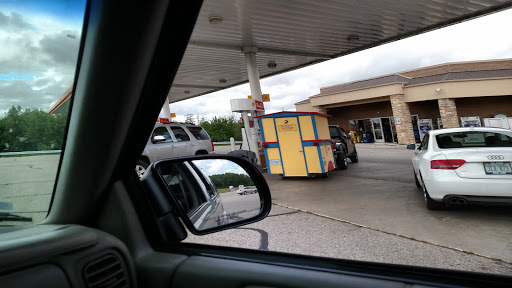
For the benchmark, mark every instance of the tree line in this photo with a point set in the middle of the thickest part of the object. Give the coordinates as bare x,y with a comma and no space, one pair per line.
222,128
31,130
36,130
231,179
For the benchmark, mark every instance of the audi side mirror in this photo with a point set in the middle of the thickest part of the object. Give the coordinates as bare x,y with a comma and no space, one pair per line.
411,147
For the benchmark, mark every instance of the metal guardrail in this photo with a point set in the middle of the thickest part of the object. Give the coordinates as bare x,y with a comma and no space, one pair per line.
30,152
59,151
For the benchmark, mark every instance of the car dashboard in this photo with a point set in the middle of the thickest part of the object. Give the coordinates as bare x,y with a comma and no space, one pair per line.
63,256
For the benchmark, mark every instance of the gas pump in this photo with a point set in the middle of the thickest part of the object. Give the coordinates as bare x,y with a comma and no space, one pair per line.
251,139
424,126
470,121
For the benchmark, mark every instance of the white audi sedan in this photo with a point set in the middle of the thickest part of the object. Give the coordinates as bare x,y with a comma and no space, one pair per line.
464,166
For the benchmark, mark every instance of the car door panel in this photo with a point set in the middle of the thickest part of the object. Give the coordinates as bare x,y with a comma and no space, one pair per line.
183,144
200,271
164,149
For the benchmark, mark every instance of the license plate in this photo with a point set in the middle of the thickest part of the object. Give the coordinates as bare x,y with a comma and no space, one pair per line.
498,168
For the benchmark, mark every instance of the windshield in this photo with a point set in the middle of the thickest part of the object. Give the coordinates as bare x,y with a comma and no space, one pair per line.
370,198
473,139
333,131
38,57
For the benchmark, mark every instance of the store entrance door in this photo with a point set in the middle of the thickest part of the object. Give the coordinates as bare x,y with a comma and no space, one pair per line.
387,129
378,136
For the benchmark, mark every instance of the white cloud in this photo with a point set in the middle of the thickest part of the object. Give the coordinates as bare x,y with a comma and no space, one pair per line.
218,166
37,59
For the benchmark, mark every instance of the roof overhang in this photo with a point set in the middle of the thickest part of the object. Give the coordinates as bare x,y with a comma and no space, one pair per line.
293,34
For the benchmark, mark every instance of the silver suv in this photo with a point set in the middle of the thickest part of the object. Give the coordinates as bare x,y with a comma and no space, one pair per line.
171,140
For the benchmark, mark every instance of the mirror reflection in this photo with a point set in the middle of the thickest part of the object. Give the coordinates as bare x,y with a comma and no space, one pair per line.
212,192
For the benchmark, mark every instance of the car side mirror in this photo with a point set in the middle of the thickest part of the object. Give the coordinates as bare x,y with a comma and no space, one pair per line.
210,193
411,147
158,138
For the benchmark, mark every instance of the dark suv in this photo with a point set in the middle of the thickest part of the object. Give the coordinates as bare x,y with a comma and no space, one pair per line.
345,147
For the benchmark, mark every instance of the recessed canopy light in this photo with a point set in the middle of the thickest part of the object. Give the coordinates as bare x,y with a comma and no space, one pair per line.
353,38
215,19
222,80
187,91
272,64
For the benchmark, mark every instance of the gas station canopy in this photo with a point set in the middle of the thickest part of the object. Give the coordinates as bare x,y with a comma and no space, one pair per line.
289,34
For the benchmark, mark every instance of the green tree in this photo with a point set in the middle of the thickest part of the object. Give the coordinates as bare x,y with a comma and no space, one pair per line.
31,130
231,179
222,128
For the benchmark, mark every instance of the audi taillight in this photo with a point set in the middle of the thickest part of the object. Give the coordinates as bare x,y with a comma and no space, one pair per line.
213,147
449,164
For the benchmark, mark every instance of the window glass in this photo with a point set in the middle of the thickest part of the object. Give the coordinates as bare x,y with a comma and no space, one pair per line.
180,134
334,132
162,131
323,217
39,47
474,139
198,132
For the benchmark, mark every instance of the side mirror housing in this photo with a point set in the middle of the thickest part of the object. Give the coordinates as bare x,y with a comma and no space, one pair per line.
411,147
158,138
201,191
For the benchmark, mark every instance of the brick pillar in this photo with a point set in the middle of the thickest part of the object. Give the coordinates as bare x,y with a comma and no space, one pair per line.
400,109
448,111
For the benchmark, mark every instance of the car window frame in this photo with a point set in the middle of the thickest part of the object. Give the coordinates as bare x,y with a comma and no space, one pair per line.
184,130
201,130
169,132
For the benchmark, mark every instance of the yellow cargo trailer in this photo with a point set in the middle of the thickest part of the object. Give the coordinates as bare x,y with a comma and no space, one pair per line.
297,143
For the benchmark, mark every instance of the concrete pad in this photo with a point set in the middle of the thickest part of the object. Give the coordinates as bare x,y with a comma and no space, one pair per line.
27,182
379,193
292,231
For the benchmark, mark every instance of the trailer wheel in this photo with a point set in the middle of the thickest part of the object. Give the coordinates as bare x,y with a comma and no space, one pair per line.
341,160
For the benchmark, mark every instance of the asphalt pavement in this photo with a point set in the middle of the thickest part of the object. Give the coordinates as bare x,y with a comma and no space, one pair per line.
27,182
373,211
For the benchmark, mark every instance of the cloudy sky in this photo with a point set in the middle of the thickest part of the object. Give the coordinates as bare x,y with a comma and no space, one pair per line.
38,51
39,46
479,39
218,166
